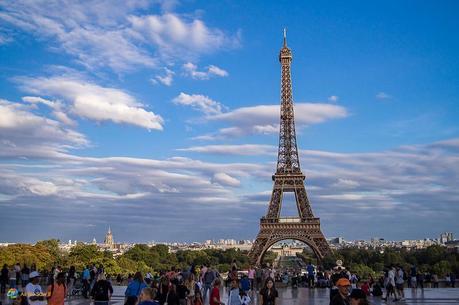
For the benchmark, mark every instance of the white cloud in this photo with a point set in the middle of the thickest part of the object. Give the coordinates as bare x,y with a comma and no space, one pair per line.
94,102
333,98
383,96
191,70
164,79
175,35
242,149
24,133
225,179
57,107
113,33
199,102
264,119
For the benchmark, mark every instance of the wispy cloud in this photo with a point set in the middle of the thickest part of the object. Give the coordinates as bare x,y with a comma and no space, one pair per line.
333,98
165,79
114,34
199,102
383,96
264,119
191,70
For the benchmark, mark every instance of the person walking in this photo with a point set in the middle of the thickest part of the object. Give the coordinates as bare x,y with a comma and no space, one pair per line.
102,290
57,290
134,288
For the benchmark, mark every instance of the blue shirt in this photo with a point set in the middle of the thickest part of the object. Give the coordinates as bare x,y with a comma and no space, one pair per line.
310,269
86,274
135,288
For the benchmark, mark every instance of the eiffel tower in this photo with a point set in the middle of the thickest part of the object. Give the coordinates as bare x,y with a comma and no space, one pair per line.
288,178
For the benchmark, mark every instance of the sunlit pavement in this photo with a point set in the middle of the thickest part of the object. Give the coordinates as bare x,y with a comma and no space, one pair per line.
305,296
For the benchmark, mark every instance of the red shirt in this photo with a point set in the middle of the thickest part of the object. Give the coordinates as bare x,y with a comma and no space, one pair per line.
215,293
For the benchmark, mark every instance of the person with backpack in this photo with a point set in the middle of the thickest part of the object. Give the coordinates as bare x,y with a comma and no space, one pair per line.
134,288
102,290
57,290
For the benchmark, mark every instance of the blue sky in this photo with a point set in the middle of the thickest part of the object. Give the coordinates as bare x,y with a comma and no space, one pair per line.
146,115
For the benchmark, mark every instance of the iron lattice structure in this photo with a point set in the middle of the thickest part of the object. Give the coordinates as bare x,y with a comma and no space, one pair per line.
288,178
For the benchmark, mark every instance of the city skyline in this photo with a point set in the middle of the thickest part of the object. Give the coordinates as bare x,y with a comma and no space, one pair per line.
161,119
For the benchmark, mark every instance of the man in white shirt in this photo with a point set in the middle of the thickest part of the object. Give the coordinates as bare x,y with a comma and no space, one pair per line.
34,293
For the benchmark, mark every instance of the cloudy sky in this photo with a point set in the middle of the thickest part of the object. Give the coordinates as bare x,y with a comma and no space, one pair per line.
160,118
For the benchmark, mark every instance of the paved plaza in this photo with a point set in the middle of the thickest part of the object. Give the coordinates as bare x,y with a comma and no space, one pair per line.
305,296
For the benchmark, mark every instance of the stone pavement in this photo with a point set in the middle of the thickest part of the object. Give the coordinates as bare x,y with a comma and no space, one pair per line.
318,296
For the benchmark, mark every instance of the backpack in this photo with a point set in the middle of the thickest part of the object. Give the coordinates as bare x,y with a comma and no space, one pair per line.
99,292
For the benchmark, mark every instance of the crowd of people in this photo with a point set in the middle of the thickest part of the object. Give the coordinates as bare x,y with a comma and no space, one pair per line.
201,285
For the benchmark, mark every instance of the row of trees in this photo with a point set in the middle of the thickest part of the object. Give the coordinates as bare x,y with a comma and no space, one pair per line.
434,259
45,254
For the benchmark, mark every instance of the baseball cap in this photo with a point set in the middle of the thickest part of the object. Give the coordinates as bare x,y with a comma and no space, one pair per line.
34,274
343,282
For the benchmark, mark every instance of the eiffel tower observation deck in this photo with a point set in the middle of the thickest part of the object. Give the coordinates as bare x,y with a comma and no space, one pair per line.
288,178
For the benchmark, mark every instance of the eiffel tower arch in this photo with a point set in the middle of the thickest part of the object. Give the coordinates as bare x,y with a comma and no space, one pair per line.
288,178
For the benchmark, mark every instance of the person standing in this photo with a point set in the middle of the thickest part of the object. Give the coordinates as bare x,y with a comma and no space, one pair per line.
400,282
86,278
71,280
190,284
17,270
435,280
413,276
33,290
209,278
57,290
452,278
102,290
310,270
251,275
4,277
268,294
25,275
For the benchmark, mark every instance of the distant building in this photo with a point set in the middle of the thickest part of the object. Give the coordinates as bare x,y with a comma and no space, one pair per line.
446,237
108,241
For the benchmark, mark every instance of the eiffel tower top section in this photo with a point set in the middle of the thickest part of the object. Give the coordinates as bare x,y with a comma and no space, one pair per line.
288,162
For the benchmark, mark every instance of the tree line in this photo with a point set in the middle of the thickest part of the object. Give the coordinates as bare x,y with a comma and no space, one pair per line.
46,254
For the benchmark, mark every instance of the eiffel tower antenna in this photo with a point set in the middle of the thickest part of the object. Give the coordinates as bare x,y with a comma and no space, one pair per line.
288,178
